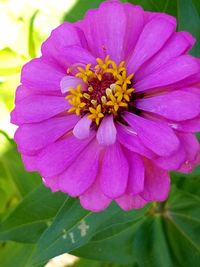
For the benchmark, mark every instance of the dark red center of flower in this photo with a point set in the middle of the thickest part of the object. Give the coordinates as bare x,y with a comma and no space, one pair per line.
108,90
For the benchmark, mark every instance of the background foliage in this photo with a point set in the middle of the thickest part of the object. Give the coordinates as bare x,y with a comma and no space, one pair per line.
35,224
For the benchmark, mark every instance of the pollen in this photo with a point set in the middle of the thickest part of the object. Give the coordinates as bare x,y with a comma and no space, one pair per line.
116,102
107,90
96,114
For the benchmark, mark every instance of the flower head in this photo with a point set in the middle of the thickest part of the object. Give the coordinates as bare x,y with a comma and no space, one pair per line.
107,90
111,107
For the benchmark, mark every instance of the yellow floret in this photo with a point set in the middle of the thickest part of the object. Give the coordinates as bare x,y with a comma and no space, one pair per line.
117,95
96,114
116,102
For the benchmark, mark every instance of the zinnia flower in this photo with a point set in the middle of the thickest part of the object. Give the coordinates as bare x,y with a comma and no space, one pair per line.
111,107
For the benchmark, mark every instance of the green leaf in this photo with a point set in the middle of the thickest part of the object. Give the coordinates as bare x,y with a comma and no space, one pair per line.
170,7
13,172
31,41
3,199
188,182
182,228
78,11
113,241
10,62
189,20
197,5
147,237
148,241
150,5
14,254
32,216
116,248
150,244
72,228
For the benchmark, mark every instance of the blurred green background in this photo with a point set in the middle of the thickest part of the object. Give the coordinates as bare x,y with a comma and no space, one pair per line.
123,238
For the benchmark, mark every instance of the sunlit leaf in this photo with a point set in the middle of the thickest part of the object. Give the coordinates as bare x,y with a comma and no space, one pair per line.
10,62
3,199
31,40
14,254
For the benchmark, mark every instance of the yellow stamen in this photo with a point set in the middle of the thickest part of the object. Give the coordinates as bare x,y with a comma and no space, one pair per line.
77,108
84,74
96,114
94,102
116,96
103,99
116,102
108,92
90,89
87,96
113,87
124,92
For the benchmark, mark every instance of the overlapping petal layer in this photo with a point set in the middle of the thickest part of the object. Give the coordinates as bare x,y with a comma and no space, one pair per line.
128,156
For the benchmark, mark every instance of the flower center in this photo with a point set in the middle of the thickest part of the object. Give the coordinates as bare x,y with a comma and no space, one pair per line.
107,90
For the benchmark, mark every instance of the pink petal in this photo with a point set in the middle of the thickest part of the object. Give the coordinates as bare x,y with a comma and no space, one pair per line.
36,108
128,138
188,166
153,37
94,199
176,105
172,162
153,15
127,202
32,137
58,156
40,75
190,145
191,148
22,92
81,174
177,45
157,183
69,82
188,125
136,174
29,162
82,128
114,172
190,81
52,183
106,133
194,90
104,31
63,36
173,71
156,136
76,55
134,24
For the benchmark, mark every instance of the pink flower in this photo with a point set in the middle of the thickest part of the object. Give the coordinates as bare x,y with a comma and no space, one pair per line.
111,107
